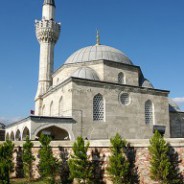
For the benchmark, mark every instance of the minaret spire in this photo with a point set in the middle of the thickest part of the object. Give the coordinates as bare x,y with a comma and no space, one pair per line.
97,37
47,33
50,2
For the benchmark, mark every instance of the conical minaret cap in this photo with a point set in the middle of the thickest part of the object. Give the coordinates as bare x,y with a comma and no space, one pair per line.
51,2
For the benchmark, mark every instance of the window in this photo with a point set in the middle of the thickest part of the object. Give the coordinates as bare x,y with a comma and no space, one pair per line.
57,81
12,137
60,108
7,136
124,98
98,108
18,136
148,112
51,109
43,110
121,79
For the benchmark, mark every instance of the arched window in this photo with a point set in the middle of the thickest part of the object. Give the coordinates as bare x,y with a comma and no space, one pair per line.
149,114
121,78
98,108
57,80
18,136
12,137
60,107
7,136
43,110
25,133
51,109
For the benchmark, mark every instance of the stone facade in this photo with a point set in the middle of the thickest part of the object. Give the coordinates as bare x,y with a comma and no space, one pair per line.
108,94
177,124
99,151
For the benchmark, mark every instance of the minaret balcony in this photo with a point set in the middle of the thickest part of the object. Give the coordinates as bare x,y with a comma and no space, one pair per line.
47,31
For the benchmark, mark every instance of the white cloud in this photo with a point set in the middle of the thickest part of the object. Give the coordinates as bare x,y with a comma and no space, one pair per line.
179,100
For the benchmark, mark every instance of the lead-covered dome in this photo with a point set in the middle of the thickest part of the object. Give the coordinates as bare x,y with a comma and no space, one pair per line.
173,106
98,52
86,73
147,84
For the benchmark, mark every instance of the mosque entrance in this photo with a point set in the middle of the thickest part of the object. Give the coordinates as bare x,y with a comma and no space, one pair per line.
55,132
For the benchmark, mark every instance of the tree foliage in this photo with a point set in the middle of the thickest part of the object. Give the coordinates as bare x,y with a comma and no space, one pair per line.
119,167
48,165
162,170
27,158
79,164
6,163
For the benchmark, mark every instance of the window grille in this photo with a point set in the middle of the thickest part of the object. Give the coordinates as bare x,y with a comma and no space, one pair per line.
148,112
121,78
98,108
124,98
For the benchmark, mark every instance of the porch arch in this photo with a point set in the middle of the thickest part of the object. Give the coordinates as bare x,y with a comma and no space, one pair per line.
18,135
25,133
57,132
12,136
7,136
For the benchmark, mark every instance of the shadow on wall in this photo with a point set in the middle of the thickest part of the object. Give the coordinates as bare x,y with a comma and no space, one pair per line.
19,163
175,161
98,166
64,171
131,156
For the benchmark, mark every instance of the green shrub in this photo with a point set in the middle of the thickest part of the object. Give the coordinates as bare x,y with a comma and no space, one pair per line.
162,169
6,163
79,165
48,165
27,158
119,167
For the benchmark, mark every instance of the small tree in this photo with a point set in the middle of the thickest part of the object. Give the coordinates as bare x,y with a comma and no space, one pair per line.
161,168
79,164
6,163
119,166
48,165
27,158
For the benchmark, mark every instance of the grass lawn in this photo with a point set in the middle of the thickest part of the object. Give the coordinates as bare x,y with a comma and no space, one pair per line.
24,181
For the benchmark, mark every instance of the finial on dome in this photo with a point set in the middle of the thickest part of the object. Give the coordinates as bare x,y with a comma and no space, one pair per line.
97,37
50,2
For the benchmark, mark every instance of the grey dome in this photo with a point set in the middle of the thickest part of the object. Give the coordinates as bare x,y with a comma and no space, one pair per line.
147,84
173,106
86,73
98,52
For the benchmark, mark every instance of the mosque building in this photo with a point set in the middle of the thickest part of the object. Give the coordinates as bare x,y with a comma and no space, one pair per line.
96,93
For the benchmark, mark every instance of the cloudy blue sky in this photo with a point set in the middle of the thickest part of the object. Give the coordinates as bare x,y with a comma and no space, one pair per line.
150,32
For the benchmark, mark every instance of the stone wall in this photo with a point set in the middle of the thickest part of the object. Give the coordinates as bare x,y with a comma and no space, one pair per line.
177,124
100,151
126,119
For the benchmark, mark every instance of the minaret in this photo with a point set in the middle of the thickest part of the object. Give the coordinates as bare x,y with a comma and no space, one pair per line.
47,33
